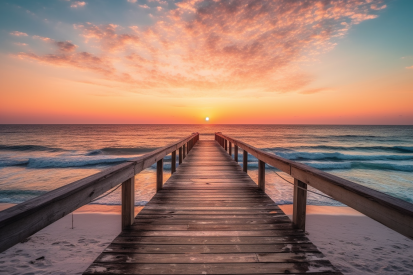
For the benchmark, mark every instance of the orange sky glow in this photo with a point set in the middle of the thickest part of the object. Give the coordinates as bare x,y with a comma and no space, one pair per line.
247,62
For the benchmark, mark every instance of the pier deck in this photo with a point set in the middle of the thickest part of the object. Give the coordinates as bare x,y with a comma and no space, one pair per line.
211,218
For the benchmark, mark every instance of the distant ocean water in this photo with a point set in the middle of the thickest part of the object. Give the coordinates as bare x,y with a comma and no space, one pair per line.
35,159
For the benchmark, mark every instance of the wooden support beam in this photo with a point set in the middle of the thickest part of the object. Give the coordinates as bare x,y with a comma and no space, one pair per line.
236,153
299,204
159,175
245,161
226,145
183,151
128,202
230,149
261,175
180,155
173,162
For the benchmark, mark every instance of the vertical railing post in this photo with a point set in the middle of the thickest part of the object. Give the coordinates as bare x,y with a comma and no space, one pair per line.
299,204
245,161
226,145
128,202
180,155
159,175
235,153
173,162
183,151
261,175
230,149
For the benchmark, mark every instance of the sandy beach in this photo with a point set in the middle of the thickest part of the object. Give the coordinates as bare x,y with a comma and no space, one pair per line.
353,242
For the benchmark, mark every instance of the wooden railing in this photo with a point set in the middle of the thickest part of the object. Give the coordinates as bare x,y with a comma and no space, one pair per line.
22,220
390,211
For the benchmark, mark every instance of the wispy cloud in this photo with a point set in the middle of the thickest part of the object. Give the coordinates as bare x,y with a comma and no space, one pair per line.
46,39
77,4
376,7
17,33
211,47
63,46
132,1
409,68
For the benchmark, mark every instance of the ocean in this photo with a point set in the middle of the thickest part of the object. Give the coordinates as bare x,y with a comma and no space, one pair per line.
35,159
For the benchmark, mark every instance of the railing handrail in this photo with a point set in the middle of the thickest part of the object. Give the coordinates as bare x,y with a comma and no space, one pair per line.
393,212
24,219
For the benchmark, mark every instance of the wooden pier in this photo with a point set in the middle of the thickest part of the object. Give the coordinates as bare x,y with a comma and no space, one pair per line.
209,217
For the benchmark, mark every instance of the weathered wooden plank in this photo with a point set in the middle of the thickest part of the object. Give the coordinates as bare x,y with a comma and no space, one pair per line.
208,217
210,258
215,268
233,221
213,219
125,238
211,248
210,227
214,233
209,211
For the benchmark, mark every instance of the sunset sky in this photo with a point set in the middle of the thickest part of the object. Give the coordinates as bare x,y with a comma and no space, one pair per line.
234,61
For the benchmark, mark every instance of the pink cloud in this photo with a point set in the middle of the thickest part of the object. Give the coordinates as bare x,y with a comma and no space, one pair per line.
409,68
46,39
132,1
107,36
82,60
376,7
20,44
63,46
211,47
17,33
77,4
144,6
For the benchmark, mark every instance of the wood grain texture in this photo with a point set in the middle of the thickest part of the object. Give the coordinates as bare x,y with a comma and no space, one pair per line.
211,219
